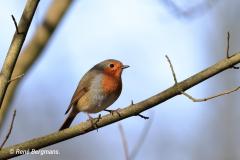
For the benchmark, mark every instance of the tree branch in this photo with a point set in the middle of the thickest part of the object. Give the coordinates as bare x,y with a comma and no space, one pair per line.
129,111
35,47
16,45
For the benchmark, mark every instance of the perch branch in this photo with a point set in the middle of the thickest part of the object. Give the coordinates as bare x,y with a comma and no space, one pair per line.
129,111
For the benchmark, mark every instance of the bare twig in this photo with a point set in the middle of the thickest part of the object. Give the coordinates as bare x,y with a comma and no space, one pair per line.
16,46
173,73
124,141
228,39
132,103
211,97
228,44
129,111
142,137
10,129
15,24
15,78
140,115
198,99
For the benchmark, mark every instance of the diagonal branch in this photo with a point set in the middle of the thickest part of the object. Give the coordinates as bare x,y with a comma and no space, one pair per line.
35,47
129,111
16,46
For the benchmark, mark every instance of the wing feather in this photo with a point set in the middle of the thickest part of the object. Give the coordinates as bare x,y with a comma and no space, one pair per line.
83,87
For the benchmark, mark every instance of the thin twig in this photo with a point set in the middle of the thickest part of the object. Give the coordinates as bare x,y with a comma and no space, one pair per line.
211,97
228,44
132,103
15,24
142,137
173,73
124,141
15,78
198,99
10,129
228,39
140,115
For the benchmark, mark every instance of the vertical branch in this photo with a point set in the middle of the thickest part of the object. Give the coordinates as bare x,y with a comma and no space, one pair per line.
142,137
35,47
124,141
228,47
228,39
16,46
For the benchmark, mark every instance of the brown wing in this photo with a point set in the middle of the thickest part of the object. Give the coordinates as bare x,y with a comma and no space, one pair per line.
76,96
83,87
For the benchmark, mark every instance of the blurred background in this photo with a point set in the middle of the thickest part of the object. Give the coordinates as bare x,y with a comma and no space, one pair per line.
139,33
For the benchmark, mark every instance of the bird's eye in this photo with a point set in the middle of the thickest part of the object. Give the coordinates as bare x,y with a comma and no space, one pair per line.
111,65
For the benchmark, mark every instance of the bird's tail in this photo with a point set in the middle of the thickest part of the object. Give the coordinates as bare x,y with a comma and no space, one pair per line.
68,120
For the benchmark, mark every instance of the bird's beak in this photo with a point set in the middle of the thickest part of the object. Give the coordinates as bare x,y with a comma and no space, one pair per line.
125,66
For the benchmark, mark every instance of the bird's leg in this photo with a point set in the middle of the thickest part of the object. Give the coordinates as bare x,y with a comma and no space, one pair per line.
112,111
94,121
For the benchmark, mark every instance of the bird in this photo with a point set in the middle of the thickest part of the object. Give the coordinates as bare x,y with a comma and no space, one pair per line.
98,89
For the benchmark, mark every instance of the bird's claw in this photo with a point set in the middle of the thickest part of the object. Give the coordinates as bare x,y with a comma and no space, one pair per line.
113,111
94,121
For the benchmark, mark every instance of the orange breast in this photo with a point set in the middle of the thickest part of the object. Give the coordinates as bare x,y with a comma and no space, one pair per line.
111,84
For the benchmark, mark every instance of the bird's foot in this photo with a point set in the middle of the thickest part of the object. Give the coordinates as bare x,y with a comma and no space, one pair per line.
113,111
94,121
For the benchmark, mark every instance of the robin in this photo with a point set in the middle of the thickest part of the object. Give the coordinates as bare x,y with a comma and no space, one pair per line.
99,88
